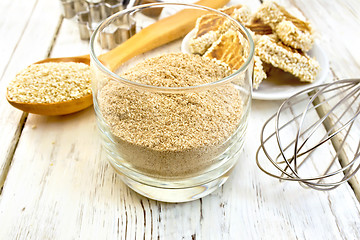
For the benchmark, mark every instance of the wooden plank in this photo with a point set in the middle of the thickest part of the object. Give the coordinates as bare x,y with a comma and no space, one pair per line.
24,43
12,25
60,187
292,210
338,37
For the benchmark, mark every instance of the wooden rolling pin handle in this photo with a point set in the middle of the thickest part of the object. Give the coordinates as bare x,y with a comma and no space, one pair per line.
157,34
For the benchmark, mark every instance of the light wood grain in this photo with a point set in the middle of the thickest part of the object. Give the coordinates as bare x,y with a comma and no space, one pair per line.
338,37
59,185
23,41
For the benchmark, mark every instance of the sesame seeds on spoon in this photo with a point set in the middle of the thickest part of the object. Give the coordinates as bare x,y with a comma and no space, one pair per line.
51,88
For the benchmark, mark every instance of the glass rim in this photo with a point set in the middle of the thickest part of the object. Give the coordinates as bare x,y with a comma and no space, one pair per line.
125,81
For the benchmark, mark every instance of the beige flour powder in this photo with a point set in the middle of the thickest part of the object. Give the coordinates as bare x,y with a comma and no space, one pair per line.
167,134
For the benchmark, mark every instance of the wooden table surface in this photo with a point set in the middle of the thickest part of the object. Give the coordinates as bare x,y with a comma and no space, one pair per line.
56,184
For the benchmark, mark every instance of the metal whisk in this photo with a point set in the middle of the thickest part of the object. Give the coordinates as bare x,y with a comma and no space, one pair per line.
315,139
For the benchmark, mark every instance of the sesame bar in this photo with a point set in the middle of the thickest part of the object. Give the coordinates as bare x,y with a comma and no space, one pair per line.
291,30
210,27
239,12
259,73
207,30
290,60
229,48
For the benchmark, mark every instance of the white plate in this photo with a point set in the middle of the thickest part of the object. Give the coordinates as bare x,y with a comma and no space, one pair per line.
281,85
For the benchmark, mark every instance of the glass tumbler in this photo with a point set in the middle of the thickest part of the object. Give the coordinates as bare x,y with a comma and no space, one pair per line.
172,87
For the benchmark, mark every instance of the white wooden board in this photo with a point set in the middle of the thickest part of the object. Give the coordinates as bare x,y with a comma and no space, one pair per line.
59,185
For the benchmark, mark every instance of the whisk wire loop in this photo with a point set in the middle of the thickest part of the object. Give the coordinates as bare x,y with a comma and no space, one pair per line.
326,123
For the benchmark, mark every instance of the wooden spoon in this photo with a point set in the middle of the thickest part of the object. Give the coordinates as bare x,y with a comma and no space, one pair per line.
153,36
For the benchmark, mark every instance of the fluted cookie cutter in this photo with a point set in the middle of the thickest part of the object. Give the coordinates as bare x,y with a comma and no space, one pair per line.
89,13
98,11
117,32
71,7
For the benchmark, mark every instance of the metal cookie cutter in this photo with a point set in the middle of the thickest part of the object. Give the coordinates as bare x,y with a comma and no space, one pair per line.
117,32
98,11
89,13
71,7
